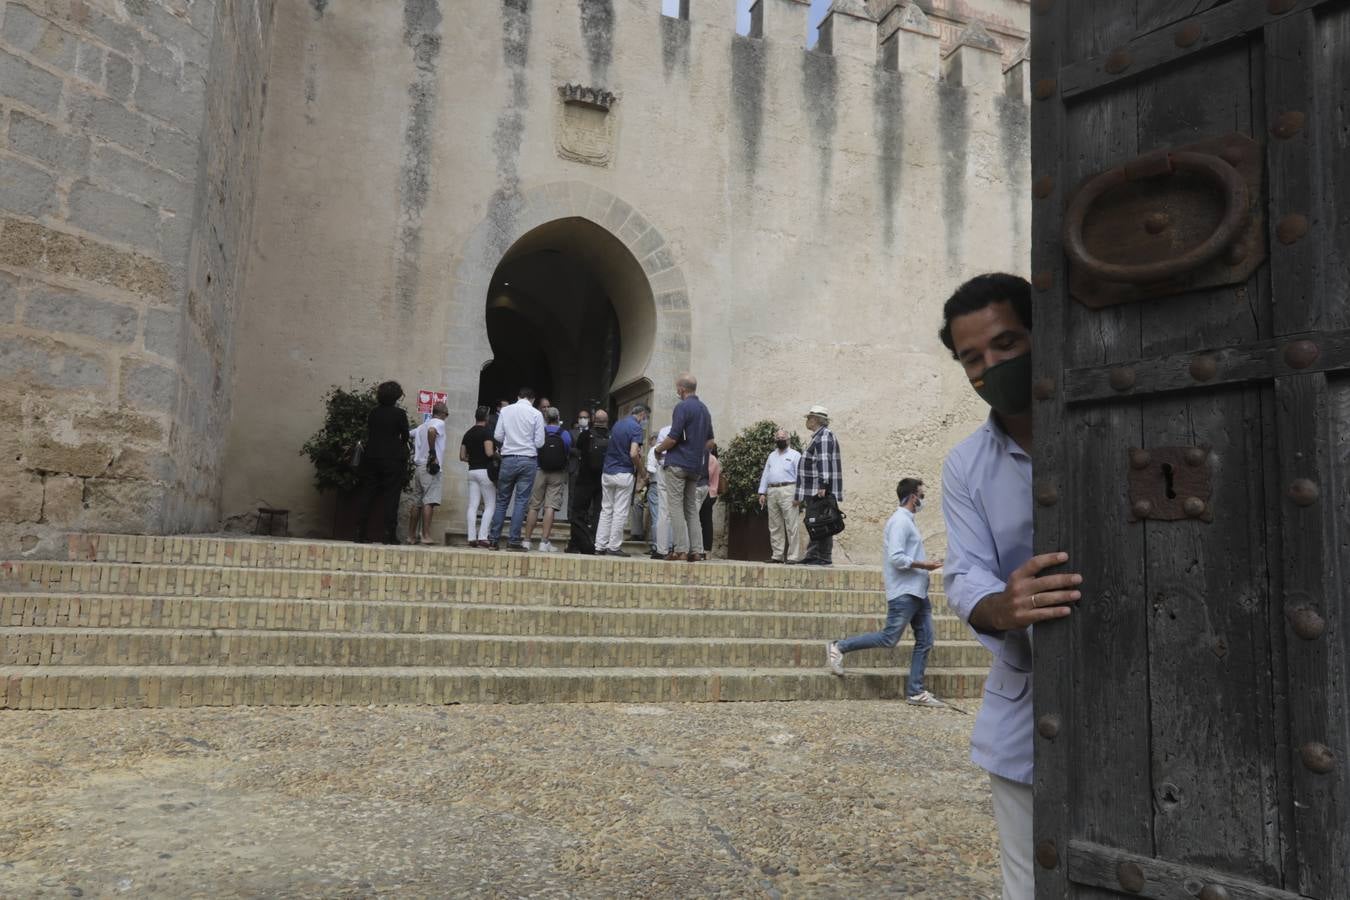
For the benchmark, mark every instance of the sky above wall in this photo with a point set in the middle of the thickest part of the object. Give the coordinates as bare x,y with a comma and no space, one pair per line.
818,8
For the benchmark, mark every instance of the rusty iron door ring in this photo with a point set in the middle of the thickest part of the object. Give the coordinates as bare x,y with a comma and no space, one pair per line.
1214,169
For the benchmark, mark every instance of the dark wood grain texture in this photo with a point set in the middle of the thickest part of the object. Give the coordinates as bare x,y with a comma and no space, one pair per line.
1094,864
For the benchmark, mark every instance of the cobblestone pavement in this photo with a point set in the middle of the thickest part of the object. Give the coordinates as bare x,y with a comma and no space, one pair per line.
861,799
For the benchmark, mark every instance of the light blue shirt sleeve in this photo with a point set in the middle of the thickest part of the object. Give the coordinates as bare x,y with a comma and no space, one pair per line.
902,542
764,478
972,557
538,429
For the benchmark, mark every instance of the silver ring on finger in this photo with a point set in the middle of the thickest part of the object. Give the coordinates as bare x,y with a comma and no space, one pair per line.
1035,601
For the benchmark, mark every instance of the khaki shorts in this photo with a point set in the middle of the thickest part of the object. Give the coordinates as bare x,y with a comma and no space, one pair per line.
548,488
426,488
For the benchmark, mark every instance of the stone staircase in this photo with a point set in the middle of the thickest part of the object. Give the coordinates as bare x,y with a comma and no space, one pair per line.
130,620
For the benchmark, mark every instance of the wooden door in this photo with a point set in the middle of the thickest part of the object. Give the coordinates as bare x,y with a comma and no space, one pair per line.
1191,165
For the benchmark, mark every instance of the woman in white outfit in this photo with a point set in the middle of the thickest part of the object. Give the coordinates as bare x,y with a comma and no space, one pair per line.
477,449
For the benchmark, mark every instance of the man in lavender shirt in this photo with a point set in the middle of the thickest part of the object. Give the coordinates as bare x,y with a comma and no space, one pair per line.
993,581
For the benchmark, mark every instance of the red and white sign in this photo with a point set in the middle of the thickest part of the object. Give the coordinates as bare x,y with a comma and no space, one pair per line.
427,399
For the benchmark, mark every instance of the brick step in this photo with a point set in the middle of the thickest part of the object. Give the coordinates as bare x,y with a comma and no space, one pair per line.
115,611
86,687
626,593
246,647
334,556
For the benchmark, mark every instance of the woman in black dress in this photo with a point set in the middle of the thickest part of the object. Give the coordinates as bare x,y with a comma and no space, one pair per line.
385,461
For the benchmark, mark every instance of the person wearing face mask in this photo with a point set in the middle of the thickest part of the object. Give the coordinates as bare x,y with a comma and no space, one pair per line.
992,579
905,568
777,484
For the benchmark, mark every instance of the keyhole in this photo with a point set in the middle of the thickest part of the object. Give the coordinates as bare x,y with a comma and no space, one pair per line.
1167,477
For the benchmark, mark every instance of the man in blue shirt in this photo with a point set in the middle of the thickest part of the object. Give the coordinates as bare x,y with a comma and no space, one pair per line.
993,581
905,567
686,450
623,466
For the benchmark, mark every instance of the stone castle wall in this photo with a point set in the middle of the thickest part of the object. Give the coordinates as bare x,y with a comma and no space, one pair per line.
128,135
799,216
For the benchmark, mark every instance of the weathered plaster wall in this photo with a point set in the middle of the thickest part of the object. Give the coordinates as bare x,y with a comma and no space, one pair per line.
115,319
801,216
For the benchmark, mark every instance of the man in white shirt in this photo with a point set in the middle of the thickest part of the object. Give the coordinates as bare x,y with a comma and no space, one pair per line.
519,435
904,569
428,458
776,488
659,537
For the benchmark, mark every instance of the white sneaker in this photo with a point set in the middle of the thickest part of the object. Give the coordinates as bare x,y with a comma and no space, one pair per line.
926,699
528,545
546,547
834,658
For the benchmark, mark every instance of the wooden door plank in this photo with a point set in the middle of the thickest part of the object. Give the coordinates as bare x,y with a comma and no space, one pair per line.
1330,128
1107,725
1053,644
1158,879
1308,448
1210,678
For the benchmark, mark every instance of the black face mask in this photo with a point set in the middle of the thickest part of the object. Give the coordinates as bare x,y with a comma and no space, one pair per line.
1006,387
782,445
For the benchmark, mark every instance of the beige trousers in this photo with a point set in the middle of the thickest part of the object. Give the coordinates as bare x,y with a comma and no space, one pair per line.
783,520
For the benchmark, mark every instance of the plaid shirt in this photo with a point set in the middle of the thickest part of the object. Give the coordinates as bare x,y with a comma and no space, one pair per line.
821,466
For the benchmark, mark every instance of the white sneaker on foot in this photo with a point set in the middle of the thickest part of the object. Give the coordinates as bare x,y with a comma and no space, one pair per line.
926,699
528,545
834,658
547,547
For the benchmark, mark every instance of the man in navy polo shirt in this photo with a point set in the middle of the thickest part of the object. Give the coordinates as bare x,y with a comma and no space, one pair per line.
623,466
686,451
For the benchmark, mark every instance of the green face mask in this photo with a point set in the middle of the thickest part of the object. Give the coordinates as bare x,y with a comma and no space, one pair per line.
1007,386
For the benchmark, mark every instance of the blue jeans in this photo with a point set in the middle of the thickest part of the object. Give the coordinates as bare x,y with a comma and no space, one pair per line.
917,612
517,475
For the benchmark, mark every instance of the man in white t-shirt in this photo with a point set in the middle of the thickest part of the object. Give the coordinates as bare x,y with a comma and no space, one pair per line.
428,457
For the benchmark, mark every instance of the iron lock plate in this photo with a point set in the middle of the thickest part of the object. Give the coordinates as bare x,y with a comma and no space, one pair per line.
1155,211
1169,484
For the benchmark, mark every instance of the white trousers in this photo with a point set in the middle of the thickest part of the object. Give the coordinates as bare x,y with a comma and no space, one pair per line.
481,490
1012,812
616,493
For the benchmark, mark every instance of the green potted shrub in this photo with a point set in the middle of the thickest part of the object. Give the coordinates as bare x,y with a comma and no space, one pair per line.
742,462
330,452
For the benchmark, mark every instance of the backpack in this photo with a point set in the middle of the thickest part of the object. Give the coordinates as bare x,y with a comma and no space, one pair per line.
823,517
553,455
599,446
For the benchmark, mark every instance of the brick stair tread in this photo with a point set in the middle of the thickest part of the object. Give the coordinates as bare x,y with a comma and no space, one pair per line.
400,635
460,671
229,572
672,612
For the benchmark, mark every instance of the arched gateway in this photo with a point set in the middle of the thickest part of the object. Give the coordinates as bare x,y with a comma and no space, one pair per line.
570,290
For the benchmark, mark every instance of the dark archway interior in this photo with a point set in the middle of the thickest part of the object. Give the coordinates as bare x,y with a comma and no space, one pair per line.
552,326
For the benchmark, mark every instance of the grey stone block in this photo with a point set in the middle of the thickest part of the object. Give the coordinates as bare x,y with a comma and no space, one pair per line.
109,120
149,386
56,365
28,84
120,75
122,37
48,144
9,296
165,99
57,311
113,216
38,37
162,328
89,62
173,151
26,189
129,175
162,60
174,31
